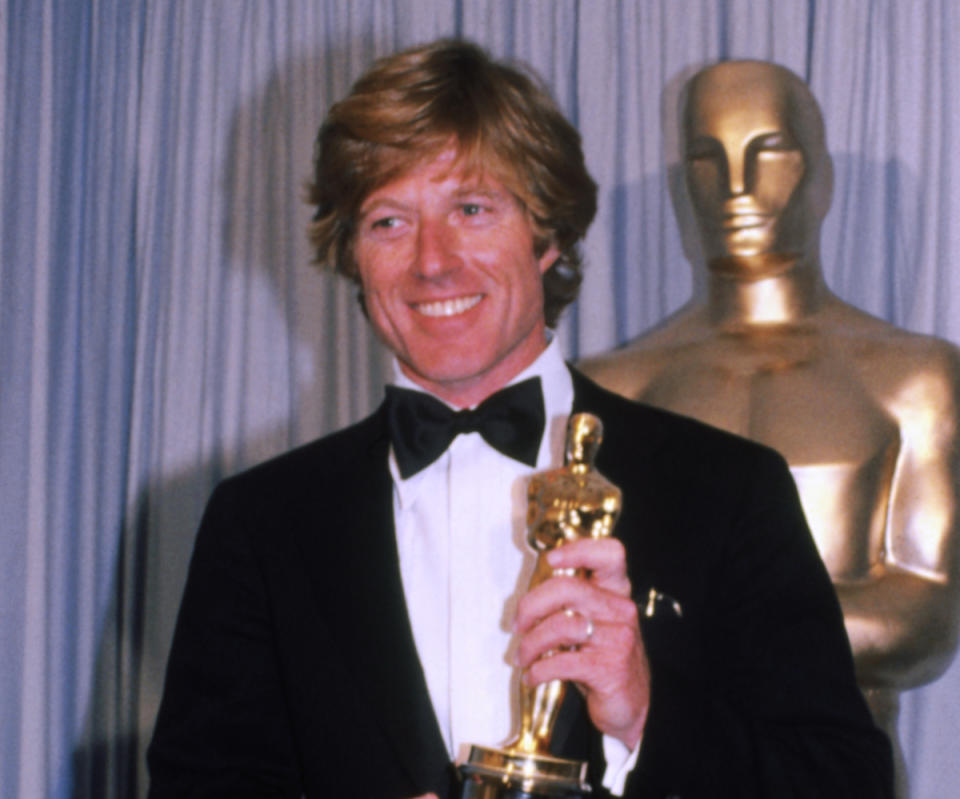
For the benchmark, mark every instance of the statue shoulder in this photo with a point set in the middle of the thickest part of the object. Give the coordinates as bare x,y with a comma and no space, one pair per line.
929,371
891,354
629,369
909,370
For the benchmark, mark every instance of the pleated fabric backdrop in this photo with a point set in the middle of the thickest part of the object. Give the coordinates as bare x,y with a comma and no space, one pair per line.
161,325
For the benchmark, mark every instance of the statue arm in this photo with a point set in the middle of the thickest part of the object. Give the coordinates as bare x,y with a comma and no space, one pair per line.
903,619
902,627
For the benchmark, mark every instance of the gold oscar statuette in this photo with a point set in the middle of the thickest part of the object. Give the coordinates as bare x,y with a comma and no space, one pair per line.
564,504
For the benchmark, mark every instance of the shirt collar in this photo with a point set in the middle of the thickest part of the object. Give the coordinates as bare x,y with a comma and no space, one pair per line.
557,386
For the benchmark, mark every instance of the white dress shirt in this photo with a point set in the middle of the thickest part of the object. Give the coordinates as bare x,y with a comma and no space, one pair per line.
464,561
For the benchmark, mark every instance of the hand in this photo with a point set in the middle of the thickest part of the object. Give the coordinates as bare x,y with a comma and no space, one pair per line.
426,796
610,666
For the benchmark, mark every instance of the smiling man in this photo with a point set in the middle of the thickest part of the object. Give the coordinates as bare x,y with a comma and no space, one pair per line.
352,617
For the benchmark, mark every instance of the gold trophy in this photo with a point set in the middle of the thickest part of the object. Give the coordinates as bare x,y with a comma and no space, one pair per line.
564,504
764,346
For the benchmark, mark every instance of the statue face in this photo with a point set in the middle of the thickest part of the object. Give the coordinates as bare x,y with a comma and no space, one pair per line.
756,172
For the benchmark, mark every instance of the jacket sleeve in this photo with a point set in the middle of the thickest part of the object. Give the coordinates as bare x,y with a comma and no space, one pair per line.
766,706
222,728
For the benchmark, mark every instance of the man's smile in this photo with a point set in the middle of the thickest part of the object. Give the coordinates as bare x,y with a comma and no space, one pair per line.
448,307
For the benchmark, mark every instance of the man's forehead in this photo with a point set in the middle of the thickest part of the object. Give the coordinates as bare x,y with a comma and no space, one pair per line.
465,169
469,175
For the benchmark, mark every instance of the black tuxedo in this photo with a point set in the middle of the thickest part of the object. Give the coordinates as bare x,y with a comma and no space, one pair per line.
293,668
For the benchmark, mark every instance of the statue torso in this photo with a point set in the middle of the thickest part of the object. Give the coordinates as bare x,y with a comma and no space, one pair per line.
805,395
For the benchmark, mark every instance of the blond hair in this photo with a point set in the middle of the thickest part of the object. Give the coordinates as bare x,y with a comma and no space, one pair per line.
413,104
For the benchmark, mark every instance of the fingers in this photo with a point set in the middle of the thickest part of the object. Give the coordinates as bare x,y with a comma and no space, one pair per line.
604,665
565,629
604,562
613,675
600,600
584,596
604,559
586,629
560,613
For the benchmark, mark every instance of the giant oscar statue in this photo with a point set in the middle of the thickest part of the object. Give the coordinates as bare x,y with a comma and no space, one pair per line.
866,414
574,501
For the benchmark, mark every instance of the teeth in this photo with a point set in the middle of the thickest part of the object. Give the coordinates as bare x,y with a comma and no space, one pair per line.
450,307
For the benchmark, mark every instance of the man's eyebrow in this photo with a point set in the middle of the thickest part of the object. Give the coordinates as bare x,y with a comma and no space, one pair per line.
370,207
483,191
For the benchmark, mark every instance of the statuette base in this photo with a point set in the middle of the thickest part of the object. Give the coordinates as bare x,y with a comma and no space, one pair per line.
511,774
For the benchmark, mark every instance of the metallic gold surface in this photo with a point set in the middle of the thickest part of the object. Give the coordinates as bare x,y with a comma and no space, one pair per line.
865,413
511,774
564,504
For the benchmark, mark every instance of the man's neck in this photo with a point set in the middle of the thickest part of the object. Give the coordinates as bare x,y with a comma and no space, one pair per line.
786,295
466,394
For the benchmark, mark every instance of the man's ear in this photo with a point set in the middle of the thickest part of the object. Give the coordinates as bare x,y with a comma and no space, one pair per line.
548,258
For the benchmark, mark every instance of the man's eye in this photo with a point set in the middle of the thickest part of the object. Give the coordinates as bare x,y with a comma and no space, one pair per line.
384,223
471,209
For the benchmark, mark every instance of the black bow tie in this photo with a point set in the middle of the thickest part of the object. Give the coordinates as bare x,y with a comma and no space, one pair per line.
422,427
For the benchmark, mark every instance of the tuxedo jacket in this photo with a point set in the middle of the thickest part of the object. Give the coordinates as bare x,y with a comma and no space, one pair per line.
293,669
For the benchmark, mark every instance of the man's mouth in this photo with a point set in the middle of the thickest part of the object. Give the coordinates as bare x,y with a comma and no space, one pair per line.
449,307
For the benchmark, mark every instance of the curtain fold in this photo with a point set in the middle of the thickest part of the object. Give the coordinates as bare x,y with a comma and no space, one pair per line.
162,326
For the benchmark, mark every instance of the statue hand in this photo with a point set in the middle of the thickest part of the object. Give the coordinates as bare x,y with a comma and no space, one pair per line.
587,630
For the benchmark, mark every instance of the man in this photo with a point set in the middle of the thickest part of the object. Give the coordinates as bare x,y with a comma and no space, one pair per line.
866,414
351,618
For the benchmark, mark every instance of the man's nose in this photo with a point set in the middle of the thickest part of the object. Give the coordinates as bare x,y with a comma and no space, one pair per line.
436,249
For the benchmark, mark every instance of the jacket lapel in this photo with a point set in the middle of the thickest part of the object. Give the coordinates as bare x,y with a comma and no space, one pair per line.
375,637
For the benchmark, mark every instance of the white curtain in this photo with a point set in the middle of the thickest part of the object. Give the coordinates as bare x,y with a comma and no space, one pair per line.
161,325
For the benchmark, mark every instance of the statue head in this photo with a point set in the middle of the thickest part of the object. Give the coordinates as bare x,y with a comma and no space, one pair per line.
584,436
757,169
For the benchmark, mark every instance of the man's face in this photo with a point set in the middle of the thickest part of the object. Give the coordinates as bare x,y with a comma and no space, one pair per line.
748,175
450,280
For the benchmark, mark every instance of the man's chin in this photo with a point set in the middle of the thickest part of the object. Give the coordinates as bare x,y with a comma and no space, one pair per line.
434,375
